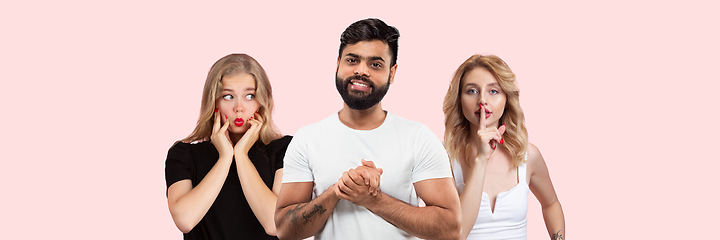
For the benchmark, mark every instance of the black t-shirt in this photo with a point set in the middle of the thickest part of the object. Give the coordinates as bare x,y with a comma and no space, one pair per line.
230,216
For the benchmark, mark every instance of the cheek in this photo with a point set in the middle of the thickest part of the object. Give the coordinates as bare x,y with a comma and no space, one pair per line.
468,106
501,105
224,108
344,72
254,105
250,109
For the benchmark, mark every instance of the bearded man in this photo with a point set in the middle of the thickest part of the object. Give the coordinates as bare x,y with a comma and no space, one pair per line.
393,161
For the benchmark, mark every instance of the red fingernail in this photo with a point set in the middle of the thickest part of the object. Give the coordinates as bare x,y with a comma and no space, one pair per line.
494,146
501,140
216,110
226,117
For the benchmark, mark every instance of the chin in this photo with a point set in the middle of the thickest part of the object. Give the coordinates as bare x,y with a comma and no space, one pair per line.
238,130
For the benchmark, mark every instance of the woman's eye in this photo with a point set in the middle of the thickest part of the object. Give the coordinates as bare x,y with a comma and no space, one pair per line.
471,91
494,91
228,97
250,96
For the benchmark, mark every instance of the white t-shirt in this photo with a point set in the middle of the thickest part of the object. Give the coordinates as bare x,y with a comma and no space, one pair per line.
407,151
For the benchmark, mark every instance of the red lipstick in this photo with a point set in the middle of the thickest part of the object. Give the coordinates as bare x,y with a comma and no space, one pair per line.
239,122
480,111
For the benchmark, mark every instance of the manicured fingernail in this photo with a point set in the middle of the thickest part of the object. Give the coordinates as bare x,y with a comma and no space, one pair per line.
226,117
501,141
494,146
216,110
503,124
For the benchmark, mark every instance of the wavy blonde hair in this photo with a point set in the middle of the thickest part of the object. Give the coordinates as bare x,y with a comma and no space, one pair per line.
457,127
228,66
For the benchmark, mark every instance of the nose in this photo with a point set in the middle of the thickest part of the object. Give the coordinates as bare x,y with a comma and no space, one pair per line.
239,107
362,70
482,100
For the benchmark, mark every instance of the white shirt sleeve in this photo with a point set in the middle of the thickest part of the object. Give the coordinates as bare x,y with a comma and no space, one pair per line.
431,159
296,167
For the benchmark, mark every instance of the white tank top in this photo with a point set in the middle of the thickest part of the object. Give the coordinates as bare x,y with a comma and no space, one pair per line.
509,221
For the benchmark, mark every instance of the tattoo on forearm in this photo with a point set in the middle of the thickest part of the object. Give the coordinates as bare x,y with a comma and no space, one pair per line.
557,236
292,213
293,216
317,209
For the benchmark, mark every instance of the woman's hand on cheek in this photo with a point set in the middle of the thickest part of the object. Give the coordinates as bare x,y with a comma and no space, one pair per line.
220,137
251,135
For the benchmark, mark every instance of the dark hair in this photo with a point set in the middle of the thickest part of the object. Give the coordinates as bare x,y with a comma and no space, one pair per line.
371,29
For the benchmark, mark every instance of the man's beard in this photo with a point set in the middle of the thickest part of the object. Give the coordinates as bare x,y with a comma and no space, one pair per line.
361,102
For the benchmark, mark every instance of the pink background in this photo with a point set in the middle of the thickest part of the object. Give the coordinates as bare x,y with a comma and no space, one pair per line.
618,96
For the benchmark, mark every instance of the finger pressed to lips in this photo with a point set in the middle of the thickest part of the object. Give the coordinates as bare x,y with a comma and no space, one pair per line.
483,122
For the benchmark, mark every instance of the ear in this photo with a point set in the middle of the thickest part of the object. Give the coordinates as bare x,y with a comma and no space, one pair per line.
393,69
338,63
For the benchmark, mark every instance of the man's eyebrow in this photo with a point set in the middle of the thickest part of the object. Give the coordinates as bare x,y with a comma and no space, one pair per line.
377,58
372,58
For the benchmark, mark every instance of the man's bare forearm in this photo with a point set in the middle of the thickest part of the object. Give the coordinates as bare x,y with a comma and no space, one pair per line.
303,220
430,222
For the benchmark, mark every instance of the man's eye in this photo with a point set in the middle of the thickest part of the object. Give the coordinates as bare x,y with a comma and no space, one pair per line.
377,65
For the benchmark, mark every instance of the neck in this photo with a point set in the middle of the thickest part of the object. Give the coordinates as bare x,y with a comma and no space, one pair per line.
472,146
234,138
367,119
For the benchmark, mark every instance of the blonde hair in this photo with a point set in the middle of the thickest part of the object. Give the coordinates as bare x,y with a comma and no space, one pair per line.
457,127
233,65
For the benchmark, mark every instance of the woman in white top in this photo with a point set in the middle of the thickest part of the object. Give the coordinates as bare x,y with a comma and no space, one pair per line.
494,165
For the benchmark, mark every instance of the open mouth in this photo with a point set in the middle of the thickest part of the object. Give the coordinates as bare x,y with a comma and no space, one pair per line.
360,85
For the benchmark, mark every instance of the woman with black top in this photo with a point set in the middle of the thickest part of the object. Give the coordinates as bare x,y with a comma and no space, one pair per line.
221,182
